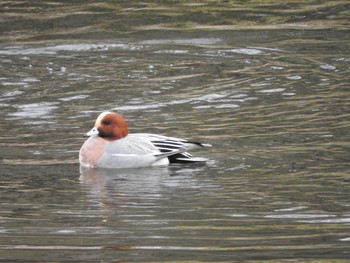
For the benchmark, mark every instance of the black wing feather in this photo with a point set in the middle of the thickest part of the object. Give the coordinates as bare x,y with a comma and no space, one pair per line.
169,145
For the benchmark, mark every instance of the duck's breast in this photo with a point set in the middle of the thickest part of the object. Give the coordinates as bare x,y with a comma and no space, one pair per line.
92,151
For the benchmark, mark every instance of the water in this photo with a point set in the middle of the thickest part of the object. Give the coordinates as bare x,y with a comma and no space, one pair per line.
265,83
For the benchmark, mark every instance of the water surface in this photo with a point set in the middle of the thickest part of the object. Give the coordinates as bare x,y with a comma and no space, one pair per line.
267,83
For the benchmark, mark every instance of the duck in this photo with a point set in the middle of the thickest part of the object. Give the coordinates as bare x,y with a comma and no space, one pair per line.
110,145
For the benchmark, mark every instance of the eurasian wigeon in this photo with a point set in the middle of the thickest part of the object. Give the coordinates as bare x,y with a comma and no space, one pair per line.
111,146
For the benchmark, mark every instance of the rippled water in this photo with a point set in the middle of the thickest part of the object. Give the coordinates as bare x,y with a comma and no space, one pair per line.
266,83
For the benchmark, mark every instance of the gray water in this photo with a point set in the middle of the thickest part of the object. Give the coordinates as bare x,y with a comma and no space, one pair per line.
266,83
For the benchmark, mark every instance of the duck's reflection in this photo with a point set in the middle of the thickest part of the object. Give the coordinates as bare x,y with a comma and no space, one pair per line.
111,188
140,191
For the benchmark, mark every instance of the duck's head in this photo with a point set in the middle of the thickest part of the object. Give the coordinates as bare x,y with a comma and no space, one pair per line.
109,125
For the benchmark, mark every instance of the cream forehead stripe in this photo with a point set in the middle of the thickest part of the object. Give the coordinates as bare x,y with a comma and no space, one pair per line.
101,116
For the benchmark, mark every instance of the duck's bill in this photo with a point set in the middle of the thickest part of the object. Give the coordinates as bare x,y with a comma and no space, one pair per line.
92,132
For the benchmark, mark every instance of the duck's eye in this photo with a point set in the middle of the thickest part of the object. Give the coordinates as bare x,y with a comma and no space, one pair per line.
106,122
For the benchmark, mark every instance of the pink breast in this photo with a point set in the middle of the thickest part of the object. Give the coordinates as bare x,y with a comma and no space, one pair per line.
92,151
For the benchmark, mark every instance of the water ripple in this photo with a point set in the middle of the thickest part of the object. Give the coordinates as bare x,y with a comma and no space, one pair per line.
53,50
